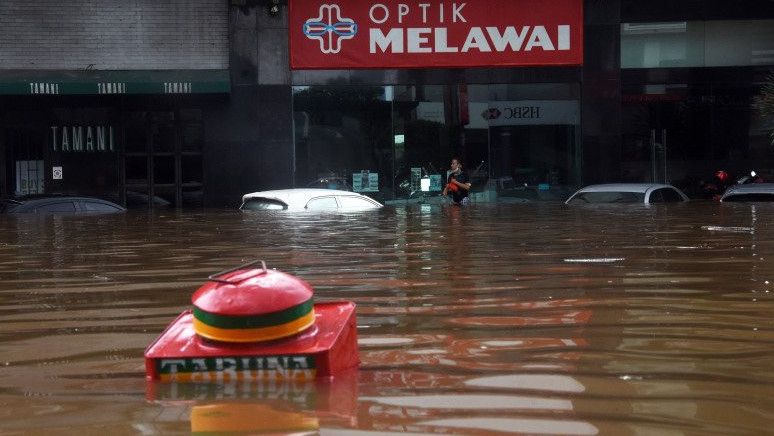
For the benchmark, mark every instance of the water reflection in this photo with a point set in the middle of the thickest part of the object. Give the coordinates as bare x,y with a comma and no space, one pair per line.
539,382
519,425
258,407
529,318
250,418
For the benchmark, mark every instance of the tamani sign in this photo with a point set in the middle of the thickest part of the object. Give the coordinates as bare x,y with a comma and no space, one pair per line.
342,34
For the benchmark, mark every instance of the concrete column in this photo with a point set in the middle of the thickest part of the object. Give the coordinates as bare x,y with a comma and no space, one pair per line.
601,92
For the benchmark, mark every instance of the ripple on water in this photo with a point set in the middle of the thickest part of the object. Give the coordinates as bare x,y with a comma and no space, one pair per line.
517,318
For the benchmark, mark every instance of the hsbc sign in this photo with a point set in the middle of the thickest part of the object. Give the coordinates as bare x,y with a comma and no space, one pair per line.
344,34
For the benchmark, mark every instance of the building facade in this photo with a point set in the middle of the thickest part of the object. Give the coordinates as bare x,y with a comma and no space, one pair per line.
195,103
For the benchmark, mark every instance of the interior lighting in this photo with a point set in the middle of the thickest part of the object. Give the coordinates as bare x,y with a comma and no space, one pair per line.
650,28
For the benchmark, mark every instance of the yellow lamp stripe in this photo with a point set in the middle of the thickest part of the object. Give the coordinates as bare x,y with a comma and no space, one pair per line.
254,335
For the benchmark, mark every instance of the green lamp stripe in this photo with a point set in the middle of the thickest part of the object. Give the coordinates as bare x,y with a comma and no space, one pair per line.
254,321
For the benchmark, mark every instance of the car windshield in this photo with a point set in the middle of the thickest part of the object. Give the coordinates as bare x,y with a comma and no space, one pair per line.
351,203
97,207
752,197
263,204
608,197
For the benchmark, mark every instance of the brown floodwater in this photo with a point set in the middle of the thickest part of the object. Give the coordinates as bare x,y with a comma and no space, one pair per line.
494,319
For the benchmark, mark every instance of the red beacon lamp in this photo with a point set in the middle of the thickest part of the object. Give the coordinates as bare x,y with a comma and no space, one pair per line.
255,324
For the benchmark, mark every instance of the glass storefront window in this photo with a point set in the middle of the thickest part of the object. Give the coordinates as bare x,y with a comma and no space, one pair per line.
341,130
396,142
531,134
683,132
84,142
425,139
697,43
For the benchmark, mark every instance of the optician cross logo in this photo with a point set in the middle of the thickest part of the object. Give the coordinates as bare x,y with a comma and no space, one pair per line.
330,28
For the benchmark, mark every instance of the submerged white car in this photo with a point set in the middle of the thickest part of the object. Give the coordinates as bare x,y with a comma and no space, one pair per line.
301,199
753,192
627,193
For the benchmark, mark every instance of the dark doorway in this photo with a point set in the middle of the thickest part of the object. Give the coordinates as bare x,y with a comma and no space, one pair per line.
163,157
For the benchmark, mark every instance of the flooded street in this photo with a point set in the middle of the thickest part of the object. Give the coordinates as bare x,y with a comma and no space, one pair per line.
495,319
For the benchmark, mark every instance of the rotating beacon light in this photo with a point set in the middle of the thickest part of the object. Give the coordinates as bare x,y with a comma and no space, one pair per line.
251,323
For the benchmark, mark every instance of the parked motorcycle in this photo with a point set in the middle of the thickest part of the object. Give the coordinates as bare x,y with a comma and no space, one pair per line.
753,177
716,186
721,180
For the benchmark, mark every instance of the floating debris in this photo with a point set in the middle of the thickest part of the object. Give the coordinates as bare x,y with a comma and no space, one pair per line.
596,260
728,229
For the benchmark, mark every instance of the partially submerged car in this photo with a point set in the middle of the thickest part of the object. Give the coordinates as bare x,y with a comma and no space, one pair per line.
309,199
643,193
752,192
55,204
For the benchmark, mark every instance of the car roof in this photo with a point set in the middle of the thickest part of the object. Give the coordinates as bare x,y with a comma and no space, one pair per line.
750,188
29,202
624,187
298,193
56,197
47,198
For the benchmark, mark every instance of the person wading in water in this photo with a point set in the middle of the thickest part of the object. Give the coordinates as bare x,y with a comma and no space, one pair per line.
458,184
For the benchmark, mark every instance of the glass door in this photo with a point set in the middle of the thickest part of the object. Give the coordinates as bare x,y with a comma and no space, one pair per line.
25,145
533,155
163,158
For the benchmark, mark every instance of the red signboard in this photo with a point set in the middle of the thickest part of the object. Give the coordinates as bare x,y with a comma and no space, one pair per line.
345,34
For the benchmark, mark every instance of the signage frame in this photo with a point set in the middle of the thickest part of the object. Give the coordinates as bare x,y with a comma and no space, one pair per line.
352,34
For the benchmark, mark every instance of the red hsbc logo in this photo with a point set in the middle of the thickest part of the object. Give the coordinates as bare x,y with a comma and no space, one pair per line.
406,34
491,114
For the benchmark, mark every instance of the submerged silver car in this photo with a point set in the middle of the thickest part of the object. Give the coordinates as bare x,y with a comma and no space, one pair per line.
753,192
628,193
59,204
308,199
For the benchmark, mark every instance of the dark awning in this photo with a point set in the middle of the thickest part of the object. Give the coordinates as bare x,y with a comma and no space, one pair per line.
49,82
